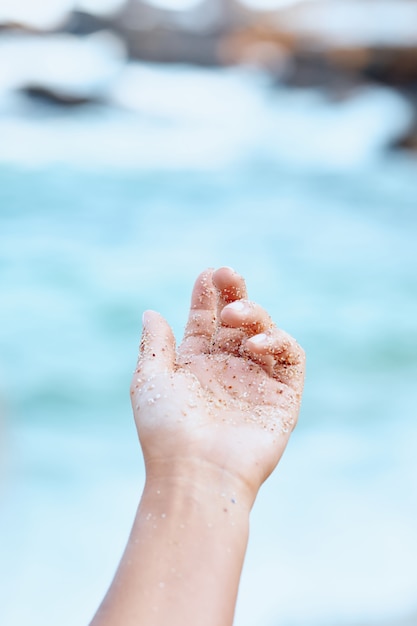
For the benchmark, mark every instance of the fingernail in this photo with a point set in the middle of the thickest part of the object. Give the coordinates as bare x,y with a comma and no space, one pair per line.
237,305
145,318
258,339
227,267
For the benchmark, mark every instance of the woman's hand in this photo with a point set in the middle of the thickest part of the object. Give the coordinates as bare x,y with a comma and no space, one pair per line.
228,398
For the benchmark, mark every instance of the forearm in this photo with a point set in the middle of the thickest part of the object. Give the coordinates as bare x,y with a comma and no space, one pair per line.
184,557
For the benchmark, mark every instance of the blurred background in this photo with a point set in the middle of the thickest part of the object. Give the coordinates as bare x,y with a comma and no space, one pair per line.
141,142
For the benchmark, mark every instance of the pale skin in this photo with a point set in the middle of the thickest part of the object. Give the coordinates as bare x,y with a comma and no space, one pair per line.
213,417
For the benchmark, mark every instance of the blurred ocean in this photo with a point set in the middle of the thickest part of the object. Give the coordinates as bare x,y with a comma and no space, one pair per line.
108,210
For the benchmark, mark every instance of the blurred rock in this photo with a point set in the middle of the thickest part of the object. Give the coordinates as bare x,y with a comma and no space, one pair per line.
320,42
164,44
60,68
408,139
191,36
332,44
408,142
335,46
82,23
56,96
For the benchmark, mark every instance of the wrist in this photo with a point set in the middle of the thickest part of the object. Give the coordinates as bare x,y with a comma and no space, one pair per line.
200,483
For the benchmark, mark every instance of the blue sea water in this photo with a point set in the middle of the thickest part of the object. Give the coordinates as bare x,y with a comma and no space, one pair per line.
110,210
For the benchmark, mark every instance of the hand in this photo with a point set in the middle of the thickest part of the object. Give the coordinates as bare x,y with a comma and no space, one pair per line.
228,398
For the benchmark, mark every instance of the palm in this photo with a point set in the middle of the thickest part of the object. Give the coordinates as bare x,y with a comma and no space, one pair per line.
242,388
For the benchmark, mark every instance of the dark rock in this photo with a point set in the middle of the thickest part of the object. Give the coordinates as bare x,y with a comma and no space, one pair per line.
81,23
166,45
47,95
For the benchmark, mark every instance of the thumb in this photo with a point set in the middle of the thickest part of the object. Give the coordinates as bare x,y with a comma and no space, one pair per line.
157,346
